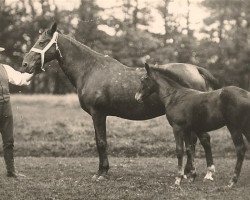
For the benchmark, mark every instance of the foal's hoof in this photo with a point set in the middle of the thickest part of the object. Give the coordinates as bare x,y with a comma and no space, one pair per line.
210,172
231,183
209,176
95,177
192,178
178,181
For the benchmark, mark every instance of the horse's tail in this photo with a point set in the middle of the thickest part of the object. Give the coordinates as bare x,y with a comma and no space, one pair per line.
210,79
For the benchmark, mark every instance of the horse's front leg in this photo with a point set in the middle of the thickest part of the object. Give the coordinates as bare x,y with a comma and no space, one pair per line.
205,142
178,134
99,120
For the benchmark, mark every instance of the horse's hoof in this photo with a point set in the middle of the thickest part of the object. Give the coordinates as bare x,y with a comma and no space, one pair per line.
101,178
192,178
95,177
209,176
208,179
98,177
231,184
177,181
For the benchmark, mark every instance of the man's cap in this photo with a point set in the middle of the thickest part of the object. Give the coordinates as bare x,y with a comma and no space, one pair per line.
2,49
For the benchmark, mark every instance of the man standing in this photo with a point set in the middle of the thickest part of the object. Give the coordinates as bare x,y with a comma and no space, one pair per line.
9,75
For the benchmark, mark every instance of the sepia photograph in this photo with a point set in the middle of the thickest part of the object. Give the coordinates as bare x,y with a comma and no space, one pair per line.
124,99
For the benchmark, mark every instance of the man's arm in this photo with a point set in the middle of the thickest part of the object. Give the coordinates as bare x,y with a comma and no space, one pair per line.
16,77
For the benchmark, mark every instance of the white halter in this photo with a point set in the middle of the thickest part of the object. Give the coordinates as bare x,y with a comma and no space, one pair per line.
43,51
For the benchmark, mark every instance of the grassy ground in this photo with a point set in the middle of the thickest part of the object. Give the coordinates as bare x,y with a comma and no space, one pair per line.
130,178
48,125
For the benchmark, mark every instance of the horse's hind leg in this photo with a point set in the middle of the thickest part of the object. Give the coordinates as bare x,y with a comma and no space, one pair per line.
99,121
178,134
190,149
205,142
189,168
240,151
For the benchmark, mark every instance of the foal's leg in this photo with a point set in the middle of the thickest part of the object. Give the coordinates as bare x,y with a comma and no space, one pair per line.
189,168
240,151
205,142
190,155
99,121
178,134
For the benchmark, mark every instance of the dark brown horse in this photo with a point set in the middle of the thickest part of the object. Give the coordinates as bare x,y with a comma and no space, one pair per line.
105,87
191,110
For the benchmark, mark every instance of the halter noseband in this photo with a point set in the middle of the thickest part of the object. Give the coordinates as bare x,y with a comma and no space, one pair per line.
43,51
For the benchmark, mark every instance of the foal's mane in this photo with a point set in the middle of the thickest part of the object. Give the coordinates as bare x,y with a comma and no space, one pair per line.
172,78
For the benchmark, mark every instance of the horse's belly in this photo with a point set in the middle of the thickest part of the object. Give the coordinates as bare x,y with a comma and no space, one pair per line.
209,126
137,111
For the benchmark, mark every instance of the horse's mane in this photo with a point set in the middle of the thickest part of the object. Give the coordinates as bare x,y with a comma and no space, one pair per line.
95,55
81,45
172,78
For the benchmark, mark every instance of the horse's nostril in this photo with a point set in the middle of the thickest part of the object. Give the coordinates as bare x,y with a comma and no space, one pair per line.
25,64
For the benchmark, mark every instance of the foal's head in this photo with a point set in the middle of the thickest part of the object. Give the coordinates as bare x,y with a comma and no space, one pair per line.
44,50
147,87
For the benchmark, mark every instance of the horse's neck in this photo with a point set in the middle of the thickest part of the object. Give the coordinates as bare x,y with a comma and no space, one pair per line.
168,90
74,61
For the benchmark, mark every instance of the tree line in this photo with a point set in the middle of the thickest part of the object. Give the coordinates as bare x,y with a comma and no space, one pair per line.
223,48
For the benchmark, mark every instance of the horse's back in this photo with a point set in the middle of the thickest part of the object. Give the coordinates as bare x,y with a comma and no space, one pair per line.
189,73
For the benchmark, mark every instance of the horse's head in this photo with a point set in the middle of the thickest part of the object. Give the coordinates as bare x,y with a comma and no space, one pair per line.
44,50
147,87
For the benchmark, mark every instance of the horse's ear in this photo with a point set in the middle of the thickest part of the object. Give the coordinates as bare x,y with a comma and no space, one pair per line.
147,68
53,29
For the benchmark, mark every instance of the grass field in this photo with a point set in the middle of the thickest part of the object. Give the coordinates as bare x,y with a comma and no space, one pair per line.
55,148
130,178
48,125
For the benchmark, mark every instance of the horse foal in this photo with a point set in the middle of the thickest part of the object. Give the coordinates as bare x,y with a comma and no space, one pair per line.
191,110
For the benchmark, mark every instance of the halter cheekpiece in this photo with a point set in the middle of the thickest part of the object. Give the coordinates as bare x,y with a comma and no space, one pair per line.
43,51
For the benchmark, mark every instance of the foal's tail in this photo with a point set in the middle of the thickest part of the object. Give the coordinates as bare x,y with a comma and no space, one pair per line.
210,79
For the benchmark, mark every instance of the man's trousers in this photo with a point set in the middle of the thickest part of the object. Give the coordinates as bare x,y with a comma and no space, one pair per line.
6,129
